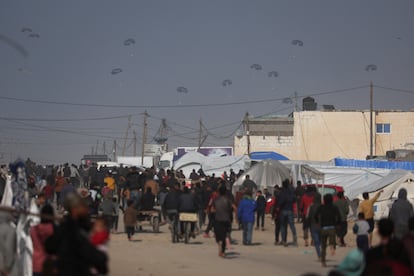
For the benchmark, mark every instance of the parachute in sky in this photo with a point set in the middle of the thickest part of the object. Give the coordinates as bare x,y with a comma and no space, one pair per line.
273,74
256,67
287,101
182,89
129,41
297,42
116,71
15,45
33,35
371,67
226,82
26,30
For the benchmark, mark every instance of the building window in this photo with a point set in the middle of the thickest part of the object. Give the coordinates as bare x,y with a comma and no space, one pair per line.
383,128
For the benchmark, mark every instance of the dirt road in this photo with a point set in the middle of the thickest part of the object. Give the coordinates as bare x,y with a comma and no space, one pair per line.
154,254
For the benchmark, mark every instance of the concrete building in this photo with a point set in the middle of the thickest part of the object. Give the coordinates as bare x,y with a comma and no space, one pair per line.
324,135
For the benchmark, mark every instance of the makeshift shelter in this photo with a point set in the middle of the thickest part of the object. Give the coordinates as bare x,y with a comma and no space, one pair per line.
264,155
353,180
218,165
265,174
390,184
211,164
188,162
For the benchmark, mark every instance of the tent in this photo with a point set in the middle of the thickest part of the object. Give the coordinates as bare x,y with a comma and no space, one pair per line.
355,181
211,164
264,155
267,173
390,184
218,165
188,162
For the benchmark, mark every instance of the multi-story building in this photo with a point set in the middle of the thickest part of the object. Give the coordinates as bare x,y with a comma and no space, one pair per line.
324,135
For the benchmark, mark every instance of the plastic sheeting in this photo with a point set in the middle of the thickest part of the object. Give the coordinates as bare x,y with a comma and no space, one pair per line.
264,155
211,164
7,199
265,174
354,181
391,184
374,164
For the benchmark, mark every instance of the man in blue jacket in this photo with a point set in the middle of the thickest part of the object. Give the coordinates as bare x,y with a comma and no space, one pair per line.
245,213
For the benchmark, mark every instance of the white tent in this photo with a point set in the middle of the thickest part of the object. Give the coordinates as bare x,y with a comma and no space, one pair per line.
188,162
211,164
390,184
355,181
265,174
218,165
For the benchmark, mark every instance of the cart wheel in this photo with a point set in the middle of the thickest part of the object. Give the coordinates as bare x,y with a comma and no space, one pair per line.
156,224
186,232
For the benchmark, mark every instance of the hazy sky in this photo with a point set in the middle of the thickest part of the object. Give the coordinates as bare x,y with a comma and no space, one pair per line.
195,44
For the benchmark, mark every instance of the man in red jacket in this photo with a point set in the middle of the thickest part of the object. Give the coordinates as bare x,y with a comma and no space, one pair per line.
305,202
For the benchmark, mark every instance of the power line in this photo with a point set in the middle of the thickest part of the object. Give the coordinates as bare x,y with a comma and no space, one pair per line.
174,106
62,130
395,89
67,120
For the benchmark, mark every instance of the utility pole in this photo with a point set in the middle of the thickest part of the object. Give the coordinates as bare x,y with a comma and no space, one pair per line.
126,135
296,101
371,120
114,151
144,137
97,147
200,133
135,143
104,147
247,128
201,138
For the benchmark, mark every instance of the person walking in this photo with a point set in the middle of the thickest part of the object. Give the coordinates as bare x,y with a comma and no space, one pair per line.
222,207
260,210
210,214
187,204
39,234
305,202
299,192
329,218
390,254
400,213
367,207
245,214
70,243
171,205
108,209
276,214
343,207
314,224
249,185
115,215
130,219
360,229
285,204
8,248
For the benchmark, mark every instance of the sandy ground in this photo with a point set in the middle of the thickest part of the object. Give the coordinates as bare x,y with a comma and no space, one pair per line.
155,254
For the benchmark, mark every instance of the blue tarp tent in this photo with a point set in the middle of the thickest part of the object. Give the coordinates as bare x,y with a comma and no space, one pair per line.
264,155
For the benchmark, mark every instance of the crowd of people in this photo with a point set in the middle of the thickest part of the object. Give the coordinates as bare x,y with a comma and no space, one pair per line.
68,197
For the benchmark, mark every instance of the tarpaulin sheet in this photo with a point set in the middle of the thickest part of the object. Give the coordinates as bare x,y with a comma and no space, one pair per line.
391,165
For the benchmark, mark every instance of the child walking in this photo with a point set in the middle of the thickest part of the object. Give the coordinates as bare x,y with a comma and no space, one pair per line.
130,219
361,230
